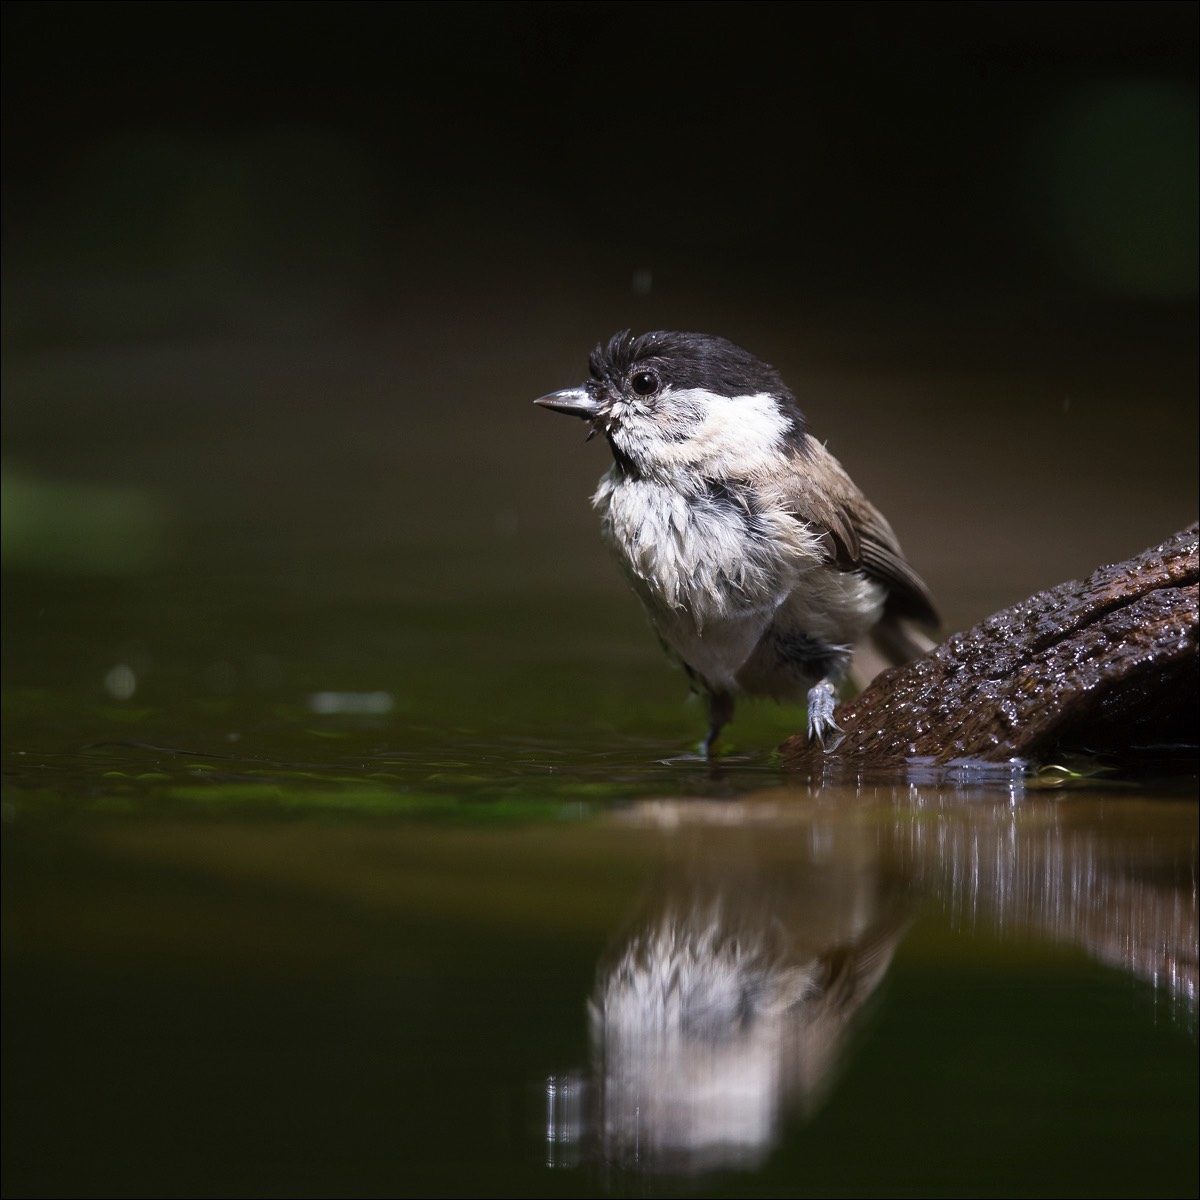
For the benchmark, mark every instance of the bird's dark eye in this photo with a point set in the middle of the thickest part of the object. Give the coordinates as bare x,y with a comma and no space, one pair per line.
644,383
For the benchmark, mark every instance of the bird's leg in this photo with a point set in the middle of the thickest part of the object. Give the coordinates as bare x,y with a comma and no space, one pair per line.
822,700
720,713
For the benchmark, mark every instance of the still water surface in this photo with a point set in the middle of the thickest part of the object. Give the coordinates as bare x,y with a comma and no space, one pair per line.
315,961
355,843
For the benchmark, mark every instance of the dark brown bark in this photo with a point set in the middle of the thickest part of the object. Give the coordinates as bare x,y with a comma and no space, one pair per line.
1107,665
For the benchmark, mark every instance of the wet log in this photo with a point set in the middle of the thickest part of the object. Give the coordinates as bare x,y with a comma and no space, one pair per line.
1106,666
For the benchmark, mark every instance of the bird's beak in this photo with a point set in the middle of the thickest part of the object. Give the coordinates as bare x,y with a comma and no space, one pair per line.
575,402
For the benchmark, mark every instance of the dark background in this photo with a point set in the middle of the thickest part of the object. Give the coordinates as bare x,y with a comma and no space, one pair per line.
854,145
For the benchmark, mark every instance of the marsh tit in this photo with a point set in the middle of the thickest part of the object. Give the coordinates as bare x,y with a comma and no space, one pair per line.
760,563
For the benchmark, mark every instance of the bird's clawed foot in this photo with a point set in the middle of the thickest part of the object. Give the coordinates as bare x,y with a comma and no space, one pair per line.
822,701
720,713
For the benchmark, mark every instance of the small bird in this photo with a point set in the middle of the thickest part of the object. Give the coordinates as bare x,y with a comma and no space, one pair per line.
759,562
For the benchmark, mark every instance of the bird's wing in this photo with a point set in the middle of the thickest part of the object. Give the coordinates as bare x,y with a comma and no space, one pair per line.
882,559
857,535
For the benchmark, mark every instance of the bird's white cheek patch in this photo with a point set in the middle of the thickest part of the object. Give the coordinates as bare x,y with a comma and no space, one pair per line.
738,435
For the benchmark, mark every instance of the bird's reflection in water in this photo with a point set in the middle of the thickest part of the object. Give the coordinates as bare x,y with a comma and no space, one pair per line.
708,1027
727,1005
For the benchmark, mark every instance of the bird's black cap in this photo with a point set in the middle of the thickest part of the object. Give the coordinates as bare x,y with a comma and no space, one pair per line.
688,360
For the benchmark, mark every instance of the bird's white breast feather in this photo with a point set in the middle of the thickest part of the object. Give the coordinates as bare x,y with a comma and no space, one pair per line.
710,590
